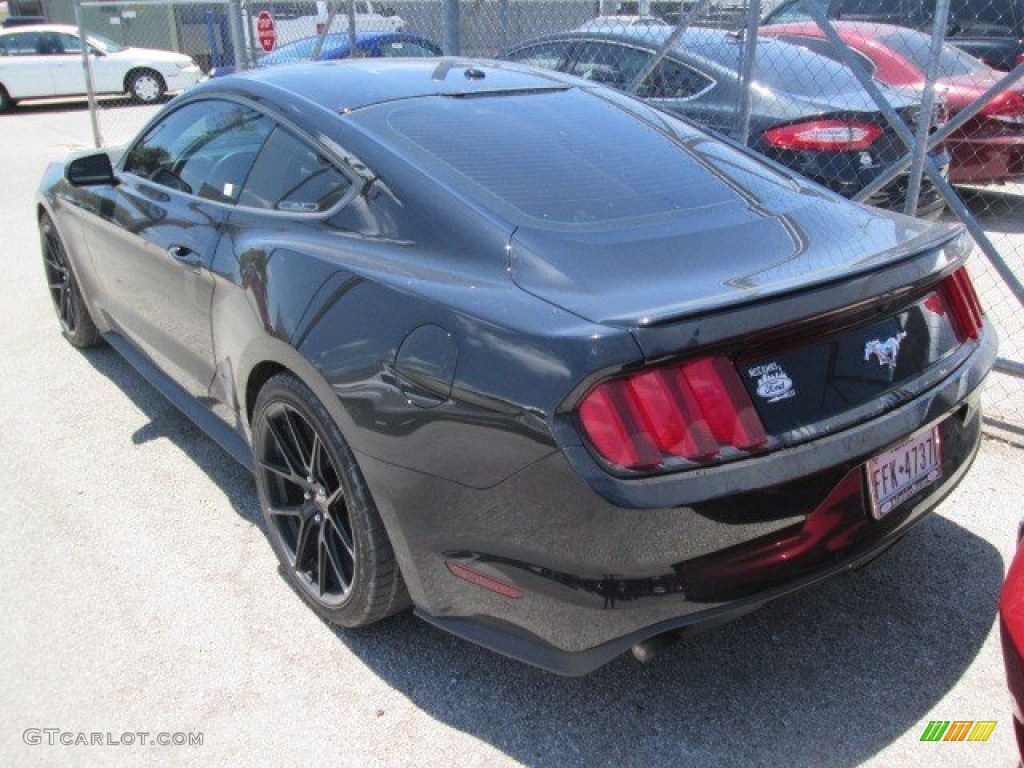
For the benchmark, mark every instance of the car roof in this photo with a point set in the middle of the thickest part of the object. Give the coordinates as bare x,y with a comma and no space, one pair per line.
718,46
351,84
848,30
71,30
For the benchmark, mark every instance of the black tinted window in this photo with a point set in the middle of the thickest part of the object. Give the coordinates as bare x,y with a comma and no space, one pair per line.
23,44
985,18
546,55
826,49
291,176
915,47
873,8
205,149
407,48
562,157
672,80
608,64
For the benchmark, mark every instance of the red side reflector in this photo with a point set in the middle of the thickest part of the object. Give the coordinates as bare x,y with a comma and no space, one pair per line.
691,411
966,306
475,577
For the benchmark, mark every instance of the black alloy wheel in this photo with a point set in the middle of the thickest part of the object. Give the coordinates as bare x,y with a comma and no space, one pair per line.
75,322
319,516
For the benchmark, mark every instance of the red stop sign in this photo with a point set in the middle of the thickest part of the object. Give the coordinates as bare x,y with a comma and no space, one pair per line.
266,31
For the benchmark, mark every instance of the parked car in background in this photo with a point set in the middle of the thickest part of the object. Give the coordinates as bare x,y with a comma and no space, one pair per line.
23,21
807,112
1011,629
45,61
560,369
370,45
306,19
615,22
991,30
990,147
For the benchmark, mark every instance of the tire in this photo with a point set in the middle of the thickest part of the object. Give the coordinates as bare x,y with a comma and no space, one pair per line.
146,86
6,102
320,518
75,321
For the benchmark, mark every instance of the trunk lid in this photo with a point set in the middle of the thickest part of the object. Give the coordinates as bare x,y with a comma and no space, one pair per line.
763,242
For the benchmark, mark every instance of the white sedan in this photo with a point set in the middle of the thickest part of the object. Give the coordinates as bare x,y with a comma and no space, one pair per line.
45,61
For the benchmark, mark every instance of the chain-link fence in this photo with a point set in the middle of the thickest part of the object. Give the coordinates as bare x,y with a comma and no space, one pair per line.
912,105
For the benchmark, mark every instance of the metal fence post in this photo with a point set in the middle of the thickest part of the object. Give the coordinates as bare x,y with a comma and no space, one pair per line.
235,31
352,29
450,24
747,75
90,87
924,120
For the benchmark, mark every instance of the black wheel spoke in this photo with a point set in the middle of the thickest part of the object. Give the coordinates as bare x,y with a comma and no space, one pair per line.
315,458
334,498
305,502
322,566
285,448
305,540
345,538
285,473
343,579
299,448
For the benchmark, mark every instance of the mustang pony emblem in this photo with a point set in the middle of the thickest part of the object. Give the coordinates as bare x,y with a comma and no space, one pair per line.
886,351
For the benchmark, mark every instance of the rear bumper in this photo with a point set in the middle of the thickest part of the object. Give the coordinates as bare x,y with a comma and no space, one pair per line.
599,573
846,174
987,160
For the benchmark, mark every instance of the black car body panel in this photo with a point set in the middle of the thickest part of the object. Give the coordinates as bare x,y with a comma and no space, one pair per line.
794,87
452,330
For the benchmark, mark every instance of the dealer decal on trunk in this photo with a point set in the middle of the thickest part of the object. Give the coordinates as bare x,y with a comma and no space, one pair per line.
773,383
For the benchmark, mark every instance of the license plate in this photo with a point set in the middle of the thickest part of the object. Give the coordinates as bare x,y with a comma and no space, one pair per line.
902,471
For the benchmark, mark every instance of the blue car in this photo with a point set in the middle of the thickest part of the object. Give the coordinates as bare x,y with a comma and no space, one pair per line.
336,46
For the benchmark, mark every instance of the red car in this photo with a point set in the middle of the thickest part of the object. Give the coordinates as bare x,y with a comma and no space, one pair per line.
1011,625
988,148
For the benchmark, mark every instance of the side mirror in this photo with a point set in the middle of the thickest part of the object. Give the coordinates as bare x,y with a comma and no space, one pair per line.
90,171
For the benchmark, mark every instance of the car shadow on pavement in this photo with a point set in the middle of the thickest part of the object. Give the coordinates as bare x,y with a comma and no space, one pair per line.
829,676
165,421
1000,210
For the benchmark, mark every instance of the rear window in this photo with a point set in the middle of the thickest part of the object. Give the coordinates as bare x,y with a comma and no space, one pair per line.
914,46
796,70
563,157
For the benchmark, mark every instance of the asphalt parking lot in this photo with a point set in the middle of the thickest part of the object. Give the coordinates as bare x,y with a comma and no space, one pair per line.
140,595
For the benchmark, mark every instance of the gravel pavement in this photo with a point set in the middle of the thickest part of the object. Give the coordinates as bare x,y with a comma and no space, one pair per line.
140,595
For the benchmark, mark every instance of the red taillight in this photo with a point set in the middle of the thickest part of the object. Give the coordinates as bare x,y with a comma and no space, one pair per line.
966,306
1008,106
824,136
689,411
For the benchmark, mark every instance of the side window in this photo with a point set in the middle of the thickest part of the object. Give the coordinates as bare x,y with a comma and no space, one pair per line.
545,55
786,13
68,43
614,65
291,176
205,148
405,48
673,80
826,49
24,44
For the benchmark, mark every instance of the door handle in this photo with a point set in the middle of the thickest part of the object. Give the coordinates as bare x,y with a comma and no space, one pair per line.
185,255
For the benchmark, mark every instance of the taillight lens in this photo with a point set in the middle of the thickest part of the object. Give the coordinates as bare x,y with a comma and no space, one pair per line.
824,136
966,307
690,411
1007,107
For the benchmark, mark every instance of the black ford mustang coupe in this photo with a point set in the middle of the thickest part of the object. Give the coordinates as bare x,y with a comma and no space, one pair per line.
562,371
